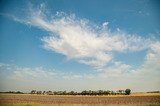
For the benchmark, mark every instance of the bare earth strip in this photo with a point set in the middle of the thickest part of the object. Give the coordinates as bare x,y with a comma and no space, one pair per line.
52,99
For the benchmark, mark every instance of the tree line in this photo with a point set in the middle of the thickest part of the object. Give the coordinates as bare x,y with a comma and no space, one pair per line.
13,92
85,92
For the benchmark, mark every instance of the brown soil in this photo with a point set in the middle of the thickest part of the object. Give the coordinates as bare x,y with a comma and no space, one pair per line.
50,99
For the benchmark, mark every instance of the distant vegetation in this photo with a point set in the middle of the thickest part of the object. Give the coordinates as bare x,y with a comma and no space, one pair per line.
85,92
154,92
14,92
127,91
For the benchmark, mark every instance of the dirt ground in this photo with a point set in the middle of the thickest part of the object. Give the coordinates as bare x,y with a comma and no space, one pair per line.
51,99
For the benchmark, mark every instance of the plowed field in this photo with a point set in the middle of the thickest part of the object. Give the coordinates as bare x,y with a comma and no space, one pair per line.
52,99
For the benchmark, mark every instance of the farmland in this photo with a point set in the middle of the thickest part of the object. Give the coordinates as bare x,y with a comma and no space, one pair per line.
134,99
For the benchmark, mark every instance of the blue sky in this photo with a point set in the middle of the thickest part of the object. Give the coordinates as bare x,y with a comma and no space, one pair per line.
77,45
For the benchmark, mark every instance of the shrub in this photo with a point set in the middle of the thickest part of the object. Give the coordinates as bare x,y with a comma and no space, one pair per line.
127,91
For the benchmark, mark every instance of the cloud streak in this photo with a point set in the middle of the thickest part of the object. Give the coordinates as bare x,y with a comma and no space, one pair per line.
87,43
83,41
54,79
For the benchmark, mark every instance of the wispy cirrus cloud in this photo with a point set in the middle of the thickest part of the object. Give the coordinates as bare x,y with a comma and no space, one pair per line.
37,73
14,77
87,43
77,40
83,41
113,78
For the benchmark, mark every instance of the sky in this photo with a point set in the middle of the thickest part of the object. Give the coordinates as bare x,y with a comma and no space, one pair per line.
79,45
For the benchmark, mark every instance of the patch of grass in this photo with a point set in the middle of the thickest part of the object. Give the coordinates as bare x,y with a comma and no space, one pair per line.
153,105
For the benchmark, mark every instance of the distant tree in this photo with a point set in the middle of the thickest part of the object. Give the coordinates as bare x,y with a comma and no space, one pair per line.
106,92
64,93
94,93
44,92
113,93
11,92
100,92
33,92
84,92
39,92
19,92
127,91
71,93
49,93
59,92
153,92
120,92
75,93
55,93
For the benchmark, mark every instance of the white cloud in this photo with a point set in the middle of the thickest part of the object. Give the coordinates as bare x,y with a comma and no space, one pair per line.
25,73
76,39
105,24
83,41
117,69
151,64
72,77
38,73
2,65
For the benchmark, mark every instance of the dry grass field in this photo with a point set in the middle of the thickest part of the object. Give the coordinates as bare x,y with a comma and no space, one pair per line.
135,99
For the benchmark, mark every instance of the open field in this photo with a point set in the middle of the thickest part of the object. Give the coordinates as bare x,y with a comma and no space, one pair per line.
34,104
60,100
